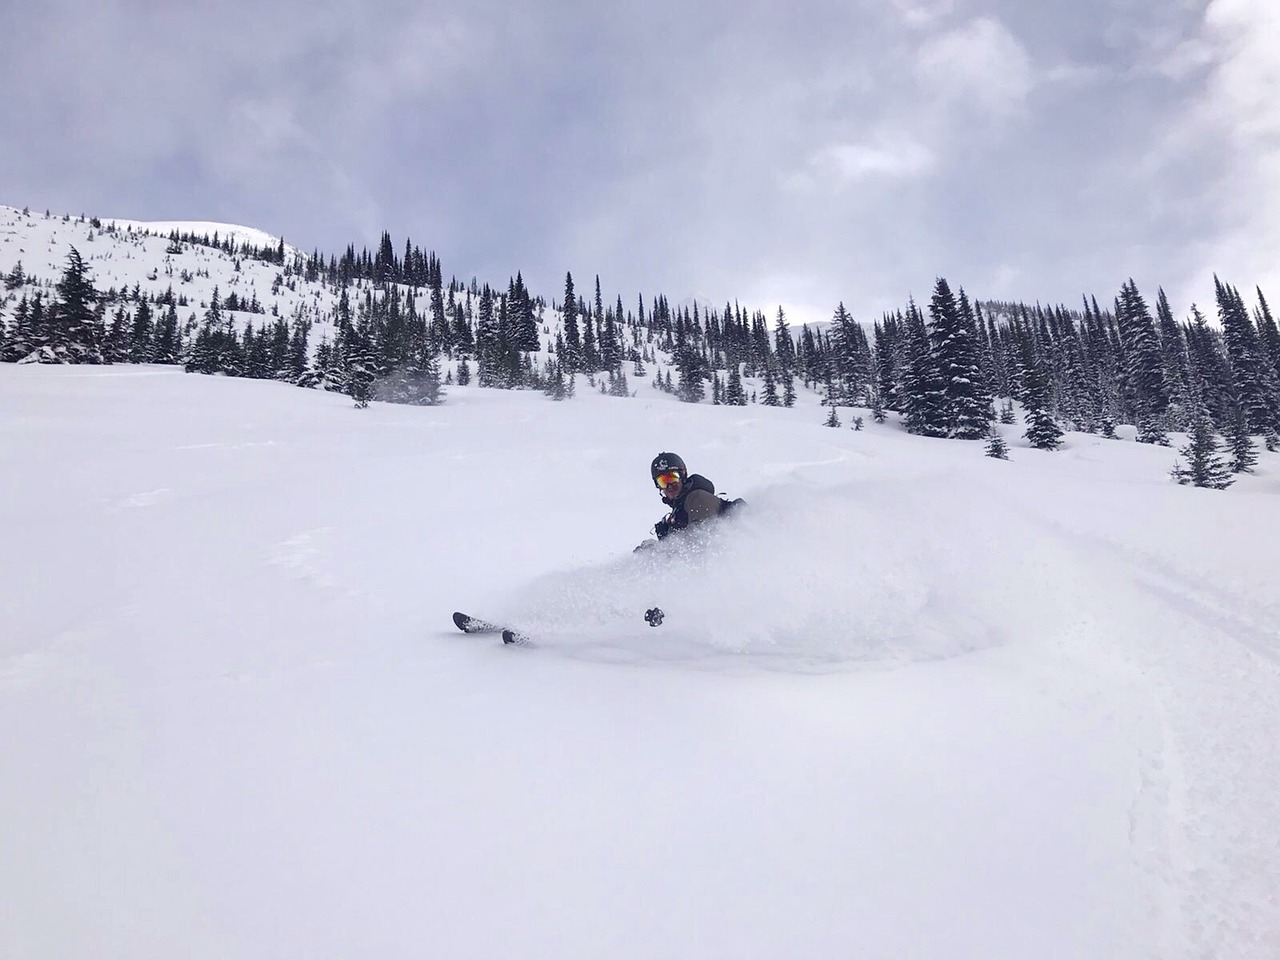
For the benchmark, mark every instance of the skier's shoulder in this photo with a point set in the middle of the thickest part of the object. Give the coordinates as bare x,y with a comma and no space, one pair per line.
698,482
701,502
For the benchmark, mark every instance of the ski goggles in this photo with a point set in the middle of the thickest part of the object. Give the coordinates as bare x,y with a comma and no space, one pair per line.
664,480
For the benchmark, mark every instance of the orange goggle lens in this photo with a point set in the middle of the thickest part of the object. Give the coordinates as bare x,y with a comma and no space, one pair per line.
665,480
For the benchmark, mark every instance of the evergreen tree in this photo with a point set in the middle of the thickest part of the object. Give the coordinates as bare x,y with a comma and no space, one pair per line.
996,446
923,394
770,387
691,367
140,348
571,357
74,331
15,278
877,408
1145,390
786,347
734,394
168,339
1251,387
610,348
490,345
362,370
845,347
1205,468
1240,444
1173,350
1268,333
889,352
966,407
618,386
1043,432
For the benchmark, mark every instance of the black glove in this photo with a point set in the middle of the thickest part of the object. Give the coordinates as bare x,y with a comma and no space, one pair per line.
662,527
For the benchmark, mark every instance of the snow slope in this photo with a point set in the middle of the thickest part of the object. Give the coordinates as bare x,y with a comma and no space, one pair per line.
130,257
915,703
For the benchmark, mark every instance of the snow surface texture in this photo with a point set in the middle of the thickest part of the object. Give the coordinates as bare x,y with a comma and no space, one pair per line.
914,703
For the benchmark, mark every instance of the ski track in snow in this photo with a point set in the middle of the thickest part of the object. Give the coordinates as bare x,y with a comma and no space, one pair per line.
1205,665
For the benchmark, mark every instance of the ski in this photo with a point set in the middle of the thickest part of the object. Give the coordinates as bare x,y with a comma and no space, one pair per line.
469,624
474,624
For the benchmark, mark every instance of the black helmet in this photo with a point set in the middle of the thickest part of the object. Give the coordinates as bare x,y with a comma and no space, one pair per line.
665,462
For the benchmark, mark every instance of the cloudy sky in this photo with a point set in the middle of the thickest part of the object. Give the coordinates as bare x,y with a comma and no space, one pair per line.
844,150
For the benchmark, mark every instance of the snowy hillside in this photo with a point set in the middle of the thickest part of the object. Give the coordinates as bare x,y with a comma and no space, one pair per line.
914,703
123,254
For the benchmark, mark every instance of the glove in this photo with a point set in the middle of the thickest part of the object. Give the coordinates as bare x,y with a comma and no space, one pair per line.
662,527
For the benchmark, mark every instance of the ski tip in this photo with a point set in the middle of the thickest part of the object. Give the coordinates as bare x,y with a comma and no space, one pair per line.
510,636
460,620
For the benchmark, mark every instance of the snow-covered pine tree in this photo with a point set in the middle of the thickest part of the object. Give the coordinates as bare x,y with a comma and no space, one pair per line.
74,332
524,323
691,366
1205,468
770,386
1173,352
618,386
877,407
888,353
996,447
1268,333
953,340
491,353
557,388
1244,457
168,339
734,395
1043,432
923,399
141,349
571,357
786,346
18,342
1252,388
851,355
361,373
1144,387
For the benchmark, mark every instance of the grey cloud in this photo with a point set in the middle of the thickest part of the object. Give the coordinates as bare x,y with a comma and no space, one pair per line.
812,154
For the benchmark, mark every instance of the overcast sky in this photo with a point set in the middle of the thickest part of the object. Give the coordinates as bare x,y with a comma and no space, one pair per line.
843,150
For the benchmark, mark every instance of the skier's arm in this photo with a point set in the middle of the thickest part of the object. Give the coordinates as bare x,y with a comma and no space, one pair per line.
664,526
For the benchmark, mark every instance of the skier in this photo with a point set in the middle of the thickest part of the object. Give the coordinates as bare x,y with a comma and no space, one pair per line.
691,497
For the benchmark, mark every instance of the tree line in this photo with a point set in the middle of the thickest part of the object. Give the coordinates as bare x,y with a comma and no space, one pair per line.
402,334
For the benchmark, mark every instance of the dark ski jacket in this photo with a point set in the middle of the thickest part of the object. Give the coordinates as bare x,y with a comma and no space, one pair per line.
697,502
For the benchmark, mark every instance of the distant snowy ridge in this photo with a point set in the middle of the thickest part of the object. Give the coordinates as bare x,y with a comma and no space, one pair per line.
239,234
